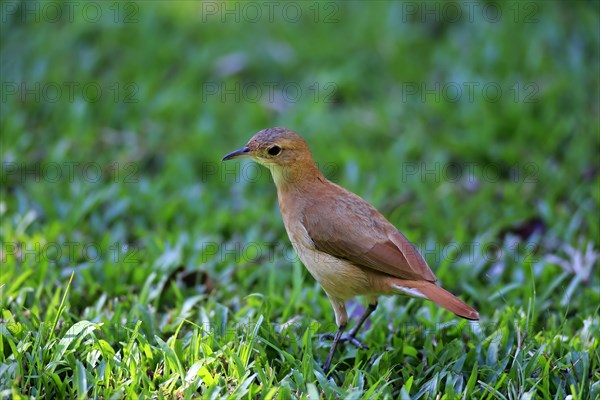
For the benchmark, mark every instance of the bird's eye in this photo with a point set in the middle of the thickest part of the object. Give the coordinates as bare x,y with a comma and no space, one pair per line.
274,150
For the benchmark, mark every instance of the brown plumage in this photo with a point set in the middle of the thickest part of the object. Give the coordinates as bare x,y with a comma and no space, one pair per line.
344,242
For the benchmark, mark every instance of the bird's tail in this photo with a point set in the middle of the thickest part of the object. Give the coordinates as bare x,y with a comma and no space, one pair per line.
439,296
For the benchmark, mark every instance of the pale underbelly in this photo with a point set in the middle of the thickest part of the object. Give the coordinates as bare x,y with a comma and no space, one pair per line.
338,277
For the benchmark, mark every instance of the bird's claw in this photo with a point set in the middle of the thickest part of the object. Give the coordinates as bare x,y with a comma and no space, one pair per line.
346,338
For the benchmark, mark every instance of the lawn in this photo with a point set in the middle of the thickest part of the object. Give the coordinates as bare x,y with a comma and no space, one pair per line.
135,264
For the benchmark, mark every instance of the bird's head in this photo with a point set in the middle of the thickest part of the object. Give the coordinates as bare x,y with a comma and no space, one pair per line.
281,150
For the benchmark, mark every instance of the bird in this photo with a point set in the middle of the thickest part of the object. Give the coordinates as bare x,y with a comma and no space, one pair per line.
348,246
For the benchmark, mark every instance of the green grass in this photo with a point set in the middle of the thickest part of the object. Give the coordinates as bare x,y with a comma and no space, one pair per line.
135,264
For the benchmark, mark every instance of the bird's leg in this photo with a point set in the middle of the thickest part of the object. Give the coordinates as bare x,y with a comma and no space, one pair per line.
351,336
338,335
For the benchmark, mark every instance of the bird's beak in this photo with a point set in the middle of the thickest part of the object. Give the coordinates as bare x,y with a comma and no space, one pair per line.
243,152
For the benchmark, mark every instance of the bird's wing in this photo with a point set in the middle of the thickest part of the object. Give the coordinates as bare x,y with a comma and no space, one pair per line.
346,226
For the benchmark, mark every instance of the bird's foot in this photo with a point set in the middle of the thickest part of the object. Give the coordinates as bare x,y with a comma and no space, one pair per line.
346,338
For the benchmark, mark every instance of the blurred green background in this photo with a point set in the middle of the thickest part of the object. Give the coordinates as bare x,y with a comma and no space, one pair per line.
472,126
